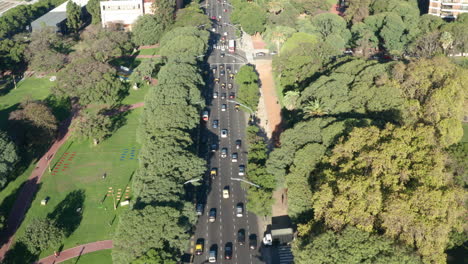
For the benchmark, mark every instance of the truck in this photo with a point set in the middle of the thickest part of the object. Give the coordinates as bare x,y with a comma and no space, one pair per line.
232,46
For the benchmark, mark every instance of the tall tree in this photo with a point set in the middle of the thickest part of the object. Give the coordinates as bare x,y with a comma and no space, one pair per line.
184,45
352,246
192,16
164,10
147,30
104,44
73,16
153,227
42,53
393,180
248,93
8,158
92,125
94,10
41,234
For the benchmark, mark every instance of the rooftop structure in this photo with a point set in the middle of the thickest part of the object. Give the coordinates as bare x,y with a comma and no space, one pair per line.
55,17
448,9
124,12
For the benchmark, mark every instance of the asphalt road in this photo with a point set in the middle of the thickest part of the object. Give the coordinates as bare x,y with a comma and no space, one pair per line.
224,230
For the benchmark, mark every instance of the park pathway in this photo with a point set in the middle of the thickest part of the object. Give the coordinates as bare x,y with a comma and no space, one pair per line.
76,252
29,189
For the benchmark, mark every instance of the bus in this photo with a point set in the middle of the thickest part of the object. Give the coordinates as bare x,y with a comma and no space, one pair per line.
232,46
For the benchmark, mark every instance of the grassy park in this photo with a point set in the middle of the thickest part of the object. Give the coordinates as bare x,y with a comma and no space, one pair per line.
76,187
101,257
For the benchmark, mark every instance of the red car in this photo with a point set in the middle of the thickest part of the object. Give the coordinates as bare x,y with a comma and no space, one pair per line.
213,17
205,116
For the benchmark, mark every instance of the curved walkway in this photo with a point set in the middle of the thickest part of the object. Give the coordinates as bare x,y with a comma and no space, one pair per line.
29,189
76,252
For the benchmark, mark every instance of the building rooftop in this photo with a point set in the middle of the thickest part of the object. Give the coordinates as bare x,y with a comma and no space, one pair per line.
55,16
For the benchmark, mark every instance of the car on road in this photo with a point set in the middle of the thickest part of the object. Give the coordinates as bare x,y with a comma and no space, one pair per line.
240,210
225,33
223,107
241,237
221,67
238,144
253,241
223,85
199,246
226,192
215,95
223,96
224,153
231,76
214,147
260,54
213,172
229,85
213,17
232,95
212,215
228,251
221,55
222,72
215,123
199,209
205,115
234,157
241,170
212,256
213,69
224,133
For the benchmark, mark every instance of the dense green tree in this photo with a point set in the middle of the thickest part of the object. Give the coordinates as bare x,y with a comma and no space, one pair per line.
253,19
90,80
154,256
147,30
8,158
41,234
287,17
94,10
458,162
104,44
145,71
73,16
184,44
92,125
11,54
426,45
277,35
363,39
42,53
192,16
357,11
429,23
31,128
164,10
248,93
393,180
311,7
352,246
259,201
328,24
153,227
435,92
392,34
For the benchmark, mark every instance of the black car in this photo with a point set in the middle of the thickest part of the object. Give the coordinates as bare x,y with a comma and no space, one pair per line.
223,96
221,55
199,209
228,69
241,237
232,95
238,144
222,72
214,147
228,251
253,241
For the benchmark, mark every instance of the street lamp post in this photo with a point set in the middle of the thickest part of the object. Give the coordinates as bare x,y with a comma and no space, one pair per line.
250,109
251,183
192,180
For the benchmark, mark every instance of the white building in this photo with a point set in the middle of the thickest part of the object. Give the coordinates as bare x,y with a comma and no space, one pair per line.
124,12
449,9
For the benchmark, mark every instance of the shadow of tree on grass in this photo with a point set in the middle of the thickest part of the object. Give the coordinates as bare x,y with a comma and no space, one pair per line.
19,253
69,212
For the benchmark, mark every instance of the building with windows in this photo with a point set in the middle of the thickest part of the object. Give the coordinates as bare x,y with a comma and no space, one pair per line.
448,9
124,13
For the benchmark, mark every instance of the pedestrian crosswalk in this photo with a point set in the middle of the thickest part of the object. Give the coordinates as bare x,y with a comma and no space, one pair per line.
285,255
220,47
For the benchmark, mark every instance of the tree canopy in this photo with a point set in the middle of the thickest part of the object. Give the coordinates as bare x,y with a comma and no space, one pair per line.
8,157
147,30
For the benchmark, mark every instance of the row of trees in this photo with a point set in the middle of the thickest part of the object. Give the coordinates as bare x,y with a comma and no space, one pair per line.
158,226
247,79
259,198
368,148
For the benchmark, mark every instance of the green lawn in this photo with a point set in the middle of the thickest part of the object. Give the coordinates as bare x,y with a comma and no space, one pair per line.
101,257
152,51
34,88
136,96
81,185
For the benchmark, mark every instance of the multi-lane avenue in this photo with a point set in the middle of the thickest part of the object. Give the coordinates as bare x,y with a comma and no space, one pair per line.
221,93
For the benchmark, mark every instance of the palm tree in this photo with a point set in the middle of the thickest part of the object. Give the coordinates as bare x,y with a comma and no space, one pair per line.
314,108
290,99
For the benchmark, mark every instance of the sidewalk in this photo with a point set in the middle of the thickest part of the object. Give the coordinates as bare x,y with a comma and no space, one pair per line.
76,252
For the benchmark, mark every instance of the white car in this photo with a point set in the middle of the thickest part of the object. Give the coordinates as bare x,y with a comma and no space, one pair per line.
213,29
215,95
241,170
226,192
234,157
239,210
223,107
224,133
225,33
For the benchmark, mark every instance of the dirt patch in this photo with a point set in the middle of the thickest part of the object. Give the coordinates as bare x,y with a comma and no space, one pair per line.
280,207
258,42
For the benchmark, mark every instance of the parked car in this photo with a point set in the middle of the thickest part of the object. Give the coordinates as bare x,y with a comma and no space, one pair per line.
241,237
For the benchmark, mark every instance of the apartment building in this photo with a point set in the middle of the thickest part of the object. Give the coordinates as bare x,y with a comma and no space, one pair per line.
124,13
448,9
